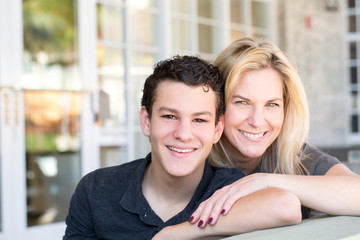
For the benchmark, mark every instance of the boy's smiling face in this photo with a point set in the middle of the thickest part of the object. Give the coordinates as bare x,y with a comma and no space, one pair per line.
182,128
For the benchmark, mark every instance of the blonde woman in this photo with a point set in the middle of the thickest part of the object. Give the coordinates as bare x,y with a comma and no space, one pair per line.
266,126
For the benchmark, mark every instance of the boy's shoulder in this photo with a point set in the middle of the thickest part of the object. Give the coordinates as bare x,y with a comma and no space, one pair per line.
225,176
128,167
120,174
228,172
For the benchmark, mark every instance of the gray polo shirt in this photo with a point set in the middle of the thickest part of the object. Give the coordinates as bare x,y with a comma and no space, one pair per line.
316,161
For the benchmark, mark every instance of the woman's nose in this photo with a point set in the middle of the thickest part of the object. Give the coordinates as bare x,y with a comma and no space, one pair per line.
256,117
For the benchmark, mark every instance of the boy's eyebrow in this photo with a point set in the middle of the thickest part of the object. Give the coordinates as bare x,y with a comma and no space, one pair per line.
174,111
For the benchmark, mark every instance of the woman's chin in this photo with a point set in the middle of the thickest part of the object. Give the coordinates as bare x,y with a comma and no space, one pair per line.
255,154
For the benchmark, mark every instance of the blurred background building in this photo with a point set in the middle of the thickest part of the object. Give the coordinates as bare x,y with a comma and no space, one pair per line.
72,71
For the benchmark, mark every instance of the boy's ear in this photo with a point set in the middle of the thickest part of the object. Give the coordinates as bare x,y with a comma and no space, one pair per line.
145,121
219,128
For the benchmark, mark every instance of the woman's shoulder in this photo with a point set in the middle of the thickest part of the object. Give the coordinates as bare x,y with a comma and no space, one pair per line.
316,161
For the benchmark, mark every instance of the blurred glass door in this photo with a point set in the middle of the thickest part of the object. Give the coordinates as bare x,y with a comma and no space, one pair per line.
52,141
53,96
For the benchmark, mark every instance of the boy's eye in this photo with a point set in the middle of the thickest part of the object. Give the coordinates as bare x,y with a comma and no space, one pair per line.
168,116
199,120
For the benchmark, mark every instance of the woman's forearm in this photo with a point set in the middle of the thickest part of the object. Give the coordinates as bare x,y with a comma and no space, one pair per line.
267,208
331,194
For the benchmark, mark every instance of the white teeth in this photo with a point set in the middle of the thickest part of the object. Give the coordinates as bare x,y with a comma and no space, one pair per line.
181,150
253,136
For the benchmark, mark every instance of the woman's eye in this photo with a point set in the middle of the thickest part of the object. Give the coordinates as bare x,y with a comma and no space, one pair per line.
241,102
272,105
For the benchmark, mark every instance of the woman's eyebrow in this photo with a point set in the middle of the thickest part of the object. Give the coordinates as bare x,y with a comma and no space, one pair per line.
247,99
242,97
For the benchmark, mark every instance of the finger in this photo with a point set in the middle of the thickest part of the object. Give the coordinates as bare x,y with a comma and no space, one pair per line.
196,215
205,214
230,201
217,210
207,207
224,204
200,212
214,207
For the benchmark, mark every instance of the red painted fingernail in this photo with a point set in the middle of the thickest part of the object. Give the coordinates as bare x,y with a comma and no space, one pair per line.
191,219
210,220
223,211
200,223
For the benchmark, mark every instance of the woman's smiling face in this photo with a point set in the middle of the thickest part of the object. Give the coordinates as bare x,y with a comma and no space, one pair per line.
254,115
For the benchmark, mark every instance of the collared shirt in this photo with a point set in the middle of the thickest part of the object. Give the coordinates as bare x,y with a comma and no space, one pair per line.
108,203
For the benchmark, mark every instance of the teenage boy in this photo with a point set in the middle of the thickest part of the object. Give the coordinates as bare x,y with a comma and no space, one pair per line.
181,113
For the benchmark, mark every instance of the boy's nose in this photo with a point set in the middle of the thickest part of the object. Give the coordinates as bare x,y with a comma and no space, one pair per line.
184,131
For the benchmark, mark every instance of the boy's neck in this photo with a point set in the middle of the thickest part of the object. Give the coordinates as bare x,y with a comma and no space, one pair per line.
168,195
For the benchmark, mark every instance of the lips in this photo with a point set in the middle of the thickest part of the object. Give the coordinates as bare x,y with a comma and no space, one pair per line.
252,136
181,150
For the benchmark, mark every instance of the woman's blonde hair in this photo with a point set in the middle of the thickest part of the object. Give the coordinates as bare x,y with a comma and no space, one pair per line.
284,154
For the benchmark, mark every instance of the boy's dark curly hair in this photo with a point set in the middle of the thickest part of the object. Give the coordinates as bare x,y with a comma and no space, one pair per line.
190,70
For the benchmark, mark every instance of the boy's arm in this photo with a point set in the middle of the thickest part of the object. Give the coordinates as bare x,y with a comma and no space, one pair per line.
78,220
267,208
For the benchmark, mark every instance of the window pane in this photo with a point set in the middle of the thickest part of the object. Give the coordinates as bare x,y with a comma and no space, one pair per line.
112,98
112,102
181,6
353,50
143,59
110,23
52,133
205,38
352,23
351,3
354,99
355,123
143,27
111,156
205,8
143,4
259,14
235,35
143,141
259,36
50,45
110,60
141,67
137,83
236,11
353,73
180,34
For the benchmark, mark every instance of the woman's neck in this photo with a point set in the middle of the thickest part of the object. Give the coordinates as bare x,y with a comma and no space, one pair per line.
244,163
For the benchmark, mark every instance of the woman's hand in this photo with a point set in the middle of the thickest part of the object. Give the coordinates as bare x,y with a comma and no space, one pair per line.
223,199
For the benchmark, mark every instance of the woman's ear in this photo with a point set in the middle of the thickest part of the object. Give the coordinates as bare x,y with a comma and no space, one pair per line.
145,121
219,128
